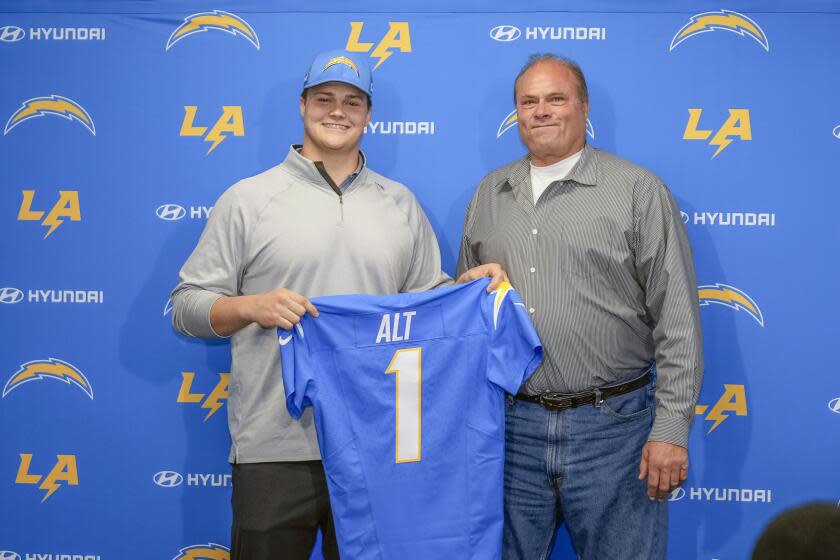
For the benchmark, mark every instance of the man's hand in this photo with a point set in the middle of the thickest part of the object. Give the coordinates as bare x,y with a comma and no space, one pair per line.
665,466
278,308
491,270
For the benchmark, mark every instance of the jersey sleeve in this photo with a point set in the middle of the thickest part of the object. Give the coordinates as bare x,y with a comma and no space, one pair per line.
296,367
515,350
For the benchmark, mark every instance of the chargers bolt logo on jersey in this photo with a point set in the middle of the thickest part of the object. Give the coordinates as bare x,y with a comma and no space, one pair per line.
216,20
209,551
54,105
512,120
52,368
398,37
64,470
731,297
725,20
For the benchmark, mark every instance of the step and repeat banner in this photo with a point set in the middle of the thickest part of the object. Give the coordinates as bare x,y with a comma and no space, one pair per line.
120,128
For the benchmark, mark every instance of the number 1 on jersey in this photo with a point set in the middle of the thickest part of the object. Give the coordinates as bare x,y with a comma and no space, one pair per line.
408,367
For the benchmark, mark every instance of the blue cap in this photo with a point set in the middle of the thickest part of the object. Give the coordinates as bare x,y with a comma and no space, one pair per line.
340,66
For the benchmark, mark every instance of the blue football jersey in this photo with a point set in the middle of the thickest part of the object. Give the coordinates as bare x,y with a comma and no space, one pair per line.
408,392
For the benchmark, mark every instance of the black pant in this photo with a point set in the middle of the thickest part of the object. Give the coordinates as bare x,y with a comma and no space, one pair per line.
278,509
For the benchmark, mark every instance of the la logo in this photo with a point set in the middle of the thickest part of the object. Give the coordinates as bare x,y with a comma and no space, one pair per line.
229,123
64,471
398,37
737,125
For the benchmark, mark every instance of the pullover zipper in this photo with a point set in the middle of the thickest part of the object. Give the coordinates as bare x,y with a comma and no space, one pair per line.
319,165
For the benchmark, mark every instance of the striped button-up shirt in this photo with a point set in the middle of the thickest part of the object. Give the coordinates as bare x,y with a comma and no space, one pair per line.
604,266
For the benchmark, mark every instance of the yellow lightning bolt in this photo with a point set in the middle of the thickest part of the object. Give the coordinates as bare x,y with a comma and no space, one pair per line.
213,404
718,417
206,553
730,21
215,399
721,142
50,487
216,137
53,222
53,369
728,295
381,52
213,20
500,292
50,105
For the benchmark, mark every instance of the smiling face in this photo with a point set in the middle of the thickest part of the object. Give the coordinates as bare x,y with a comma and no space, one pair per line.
334,117
552,117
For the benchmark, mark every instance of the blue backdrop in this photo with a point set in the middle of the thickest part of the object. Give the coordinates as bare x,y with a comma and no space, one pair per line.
124,121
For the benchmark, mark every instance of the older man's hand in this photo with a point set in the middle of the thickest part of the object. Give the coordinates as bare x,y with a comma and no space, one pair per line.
490,270
665,466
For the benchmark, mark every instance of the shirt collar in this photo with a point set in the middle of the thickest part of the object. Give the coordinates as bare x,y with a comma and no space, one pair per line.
301,167
583,173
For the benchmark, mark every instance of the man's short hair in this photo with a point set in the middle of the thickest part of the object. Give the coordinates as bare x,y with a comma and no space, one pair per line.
809,532
583,92
304,93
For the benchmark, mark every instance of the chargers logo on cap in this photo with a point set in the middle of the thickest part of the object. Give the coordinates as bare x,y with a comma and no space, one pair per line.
218,20
55,105
52,368
731,297
725,20
341,60
512,120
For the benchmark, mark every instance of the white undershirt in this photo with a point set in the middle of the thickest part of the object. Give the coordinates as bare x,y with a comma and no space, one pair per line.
541,177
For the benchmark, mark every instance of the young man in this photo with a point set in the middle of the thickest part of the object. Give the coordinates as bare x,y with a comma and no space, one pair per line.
320,223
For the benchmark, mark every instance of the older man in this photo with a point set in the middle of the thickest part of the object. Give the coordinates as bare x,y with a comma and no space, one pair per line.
320,223
598,436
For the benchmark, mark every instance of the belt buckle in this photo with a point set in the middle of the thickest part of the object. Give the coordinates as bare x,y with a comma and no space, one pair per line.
555,404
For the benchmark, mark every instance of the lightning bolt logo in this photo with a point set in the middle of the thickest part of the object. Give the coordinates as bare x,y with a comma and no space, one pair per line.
341,60
725,20
733,400
501,292
209,551
511,120
54,105
217,20
51,368
729,296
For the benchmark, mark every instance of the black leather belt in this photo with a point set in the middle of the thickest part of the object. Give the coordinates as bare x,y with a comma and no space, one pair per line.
562,401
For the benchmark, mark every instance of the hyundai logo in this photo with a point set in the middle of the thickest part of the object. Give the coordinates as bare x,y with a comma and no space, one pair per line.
9,555
11,34
10,295
834,405
685,216
505,33
168,307
836,131
677,494
170,212
168,479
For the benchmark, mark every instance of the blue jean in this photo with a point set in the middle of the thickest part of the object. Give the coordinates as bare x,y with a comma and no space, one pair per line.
580,466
